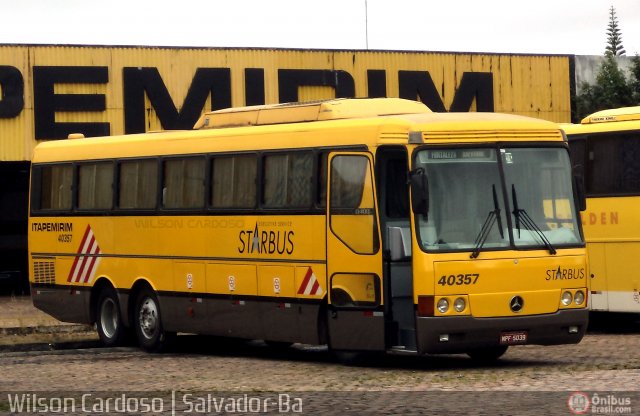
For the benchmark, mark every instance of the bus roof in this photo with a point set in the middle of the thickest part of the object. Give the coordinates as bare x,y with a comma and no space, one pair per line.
612,120
612,115
369,122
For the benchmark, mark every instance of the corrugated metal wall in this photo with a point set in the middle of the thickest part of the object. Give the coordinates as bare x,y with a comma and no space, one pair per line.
537,86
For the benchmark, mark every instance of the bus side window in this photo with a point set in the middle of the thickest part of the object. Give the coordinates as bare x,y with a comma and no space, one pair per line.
56,183
613,167
233,181
95,185
352,207
287,180
183,182
138,184
321,193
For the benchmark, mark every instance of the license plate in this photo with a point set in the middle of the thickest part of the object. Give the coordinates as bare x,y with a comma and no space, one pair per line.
514,337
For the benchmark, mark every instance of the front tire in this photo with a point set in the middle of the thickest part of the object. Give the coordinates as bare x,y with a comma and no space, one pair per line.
148,322
109,322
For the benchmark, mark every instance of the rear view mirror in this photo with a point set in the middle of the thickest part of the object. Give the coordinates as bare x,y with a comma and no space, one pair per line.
419,192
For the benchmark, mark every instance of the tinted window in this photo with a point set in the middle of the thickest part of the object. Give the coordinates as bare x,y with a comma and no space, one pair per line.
287,180
138,184
56,187
95,186
352,206
613,164
321,197
233,181
183,183
349,175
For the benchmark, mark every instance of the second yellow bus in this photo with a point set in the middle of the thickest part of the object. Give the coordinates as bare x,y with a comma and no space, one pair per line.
606,153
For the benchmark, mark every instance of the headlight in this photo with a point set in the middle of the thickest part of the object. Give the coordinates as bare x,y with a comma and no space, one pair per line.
579,298
566,298
459,305
443,305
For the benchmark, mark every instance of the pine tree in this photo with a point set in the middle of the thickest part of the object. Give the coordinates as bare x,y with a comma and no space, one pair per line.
611,89
611,85
614,36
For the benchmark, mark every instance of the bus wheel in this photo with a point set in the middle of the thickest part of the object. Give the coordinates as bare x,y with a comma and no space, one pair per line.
488,354
148,323
109,321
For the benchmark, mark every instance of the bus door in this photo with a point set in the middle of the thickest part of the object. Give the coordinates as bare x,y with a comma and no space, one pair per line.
354,257
395,223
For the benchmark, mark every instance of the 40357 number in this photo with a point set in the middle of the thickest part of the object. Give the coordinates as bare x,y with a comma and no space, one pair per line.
459,279
65,238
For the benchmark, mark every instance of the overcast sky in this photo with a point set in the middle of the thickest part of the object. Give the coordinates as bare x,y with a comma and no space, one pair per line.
505,26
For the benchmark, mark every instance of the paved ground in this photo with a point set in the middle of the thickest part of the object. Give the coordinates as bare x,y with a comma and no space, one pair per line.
19,312
21,323
528,380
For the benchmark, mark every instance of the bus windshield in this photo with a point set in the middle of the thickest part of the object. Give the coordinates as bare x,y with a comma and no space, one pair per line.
497,198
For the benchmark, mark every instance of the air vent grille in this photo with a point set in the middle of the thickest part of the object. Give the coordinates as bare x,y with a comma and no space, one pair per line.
44,271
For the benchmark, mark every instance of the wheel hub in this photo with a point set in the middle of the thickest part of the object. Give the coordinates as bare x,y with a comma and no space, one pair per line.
148,318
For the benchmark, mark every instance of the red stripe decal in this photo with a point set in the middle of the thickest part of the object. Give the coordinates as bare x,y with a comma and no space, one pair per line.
316,286
305,282
75,262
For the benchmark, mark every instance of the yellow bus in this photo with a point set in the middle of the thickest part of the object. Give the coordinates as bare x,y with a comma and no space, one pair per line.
364,224
605,149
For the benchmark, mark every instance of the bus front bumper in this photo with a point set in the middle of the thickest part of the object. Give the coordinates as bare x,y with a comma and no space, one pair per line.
443,335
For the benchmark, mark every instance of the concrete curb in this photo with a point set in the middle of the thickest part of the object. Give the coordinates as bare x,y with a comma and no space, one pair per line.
38,348
51,329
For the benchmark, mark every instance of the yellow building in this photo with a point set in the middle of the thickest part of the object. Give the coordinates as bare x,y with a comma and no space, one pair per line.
48,92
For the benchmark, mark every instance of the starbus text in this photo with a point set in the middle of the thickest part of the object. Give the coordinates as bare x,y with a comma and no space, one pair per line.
266,242
565,274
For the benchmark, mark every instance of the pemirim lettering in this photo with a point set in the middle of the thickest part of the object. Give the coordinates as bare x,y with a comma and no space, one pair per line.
63,227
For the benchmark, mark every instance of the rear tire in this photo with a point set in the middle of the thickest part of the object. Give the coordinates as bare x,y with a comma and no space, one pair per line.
488,354
109,322
148,322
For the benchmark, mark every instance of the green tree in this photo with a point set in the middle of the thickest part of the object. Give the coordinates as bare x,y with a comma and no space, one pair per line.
586,101
635,79
612,89
614,36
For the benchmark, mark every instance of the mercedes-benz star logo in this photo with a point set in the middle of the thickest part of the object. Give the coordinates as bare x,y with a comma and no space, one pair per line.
516,303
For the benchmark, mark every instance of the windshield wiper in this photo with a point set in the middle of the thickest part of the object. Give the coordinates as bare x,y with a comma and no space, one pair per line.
488,224
529,224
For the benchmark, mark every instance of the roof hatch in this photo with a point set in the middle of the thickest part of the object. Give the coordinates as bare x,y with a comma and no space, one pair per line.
336,109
